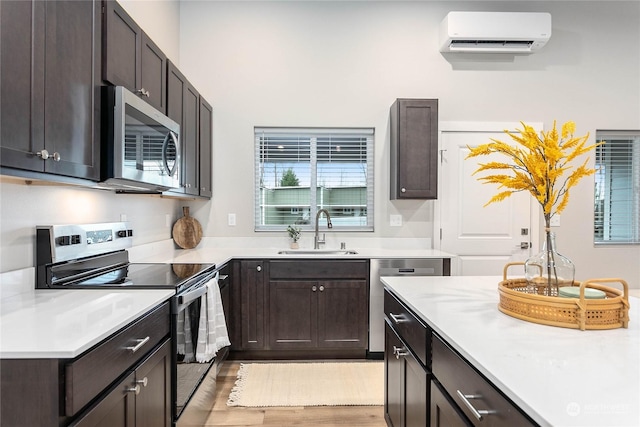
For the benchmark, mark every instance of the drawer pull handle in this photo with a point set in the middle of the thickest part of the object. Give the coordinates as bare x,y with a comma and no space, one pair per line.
138,346
400,351
398,318
478,413
135,389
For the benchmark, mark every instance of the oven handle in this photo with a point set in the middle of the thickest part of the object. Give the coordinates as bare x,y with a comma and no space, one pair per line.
191,295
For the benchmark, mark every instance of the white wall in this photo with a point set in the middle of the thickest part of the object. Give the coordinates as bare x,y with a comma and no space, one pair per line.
160,19
305,63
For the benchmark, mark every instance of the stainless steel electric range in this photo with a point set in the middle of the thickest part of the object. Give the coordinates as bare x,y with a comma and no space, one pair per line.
85,256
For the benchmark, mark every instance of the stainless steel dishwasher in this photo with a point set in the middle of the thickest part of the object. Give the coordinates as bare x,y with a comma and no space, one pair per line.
395,267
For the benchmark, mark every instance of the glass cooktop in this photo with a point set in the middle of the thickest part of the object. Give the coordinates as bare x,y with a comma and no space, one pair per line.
151,276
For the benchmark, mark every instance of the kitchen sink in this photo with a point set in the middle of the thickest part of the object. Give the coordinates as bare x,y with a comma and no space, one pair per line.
318,252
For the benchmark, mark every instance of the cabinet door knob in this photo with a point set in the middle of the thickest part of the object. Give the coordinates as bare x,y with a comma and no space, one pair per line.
314,288
143,92
44,155
321,288
403,190
259,268
143,381
135,389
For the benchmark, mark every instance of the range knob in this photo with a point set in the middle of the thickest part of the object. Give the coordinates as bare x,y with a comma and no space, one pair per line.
125,233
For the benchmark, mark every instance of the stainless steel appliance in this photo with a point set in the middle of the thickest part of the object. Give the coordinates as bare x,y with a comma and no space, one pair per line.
395,267
95,255
141,149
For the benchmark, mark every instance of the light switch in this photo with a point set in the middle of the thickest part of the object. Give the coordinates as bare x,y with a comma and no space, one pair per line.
232,219
555,221
395,220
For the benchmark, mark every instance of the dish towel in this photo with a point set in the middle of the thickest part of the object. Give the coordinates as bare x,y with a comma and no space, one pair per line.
185,343
212,330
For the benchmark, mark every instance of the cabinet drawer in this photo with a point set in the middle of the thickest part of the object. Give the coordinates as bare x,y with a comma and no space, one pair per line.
458,378
88,375
408,327
319,269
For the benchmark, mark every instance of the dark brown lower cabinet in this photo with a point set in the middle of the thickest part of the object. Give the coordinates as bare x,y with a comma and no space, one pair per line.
444,412
108,385
318,314
141,399
407,384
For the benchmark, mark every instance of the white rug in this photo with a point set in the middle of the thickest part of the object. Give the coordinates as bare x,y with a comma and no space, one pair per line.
308,384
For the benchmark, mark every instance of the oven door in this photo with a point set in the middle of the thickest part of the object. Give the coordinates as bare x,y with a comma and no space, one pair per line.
190,375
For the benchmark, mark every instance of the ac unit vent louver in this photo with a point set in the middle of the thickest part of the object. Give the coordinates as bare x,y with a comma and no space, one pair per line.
495,32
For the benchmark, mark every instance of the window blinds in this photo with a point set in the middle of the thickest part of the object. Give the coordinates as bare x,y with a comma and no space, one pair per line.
302,170
617,188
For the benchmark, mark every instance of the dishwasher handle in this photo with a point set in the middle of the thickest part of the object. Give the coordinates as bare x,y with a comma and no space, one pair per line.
408,271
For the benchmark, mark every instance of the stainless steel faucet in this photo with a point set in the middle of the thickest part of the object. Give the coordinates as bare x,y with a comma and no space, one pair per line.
316,240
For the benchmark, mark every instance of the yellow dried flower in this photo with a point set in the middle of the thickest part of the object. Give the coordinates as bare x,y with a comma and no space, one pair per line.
539,161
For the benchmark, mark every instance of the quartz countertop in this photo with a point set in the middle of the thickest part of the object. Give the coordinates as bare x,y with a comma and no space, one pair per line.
558,376
210,251
65,323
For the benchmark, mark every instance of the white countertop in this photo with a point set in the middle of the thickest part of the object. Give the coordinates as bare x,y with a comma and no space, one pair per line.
209,251
559,376
65,323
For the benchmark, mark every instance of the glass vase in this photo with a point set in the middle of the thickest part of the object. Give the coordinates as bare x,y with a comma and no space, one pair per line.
548,270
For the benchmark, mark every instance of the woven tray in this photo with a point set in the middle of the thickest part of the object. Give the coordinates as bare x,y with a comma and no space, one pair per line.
577,313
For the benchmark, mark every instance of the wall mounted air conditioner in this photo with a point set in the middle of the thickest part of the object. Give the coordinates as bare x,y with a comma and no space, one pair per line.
501,32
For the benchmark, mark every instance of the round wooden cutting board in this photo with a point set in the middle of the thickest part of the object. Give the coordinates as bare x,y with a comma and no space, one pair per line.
187,231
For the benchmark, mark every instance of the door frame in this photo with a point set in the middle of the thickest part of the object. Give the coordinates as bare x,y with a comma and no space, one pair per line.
471,126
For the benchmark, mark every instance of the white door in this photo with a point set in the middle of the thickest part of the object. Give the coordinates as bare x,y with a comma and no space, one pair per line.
484,238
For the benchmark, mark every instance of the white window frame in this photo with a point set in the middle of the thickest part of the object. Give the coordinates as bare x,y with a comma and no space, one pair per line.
617,201
314,134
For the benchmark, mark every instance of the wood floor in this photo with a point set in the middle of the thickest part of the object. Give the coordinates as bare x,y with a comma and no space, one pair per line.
312,416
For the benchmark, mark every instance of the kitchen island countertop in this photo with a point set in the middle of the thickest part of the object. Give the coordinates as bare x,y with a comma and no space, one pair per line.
558,376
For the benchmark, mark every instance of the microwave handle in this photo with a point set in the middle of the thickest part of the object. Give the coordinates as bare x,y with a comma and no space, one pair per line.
165,146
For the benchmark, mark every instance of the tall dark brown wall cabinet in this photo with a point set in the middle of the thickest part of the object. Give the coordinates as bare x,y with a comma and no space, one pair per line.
206,146
50,87
132,59
414,149
182,106
194,114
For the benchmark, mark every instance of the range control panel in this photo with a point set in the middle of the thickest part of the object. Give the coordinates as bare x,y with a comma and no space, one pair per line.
57,243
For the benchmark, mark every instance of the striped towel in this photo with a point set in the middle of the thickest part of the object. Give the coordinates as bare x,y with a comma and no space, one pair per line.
185,344
212,330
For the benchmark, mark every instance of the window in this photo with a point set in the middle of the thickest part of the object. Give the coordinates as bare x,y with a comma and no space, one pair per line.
302,170
617,188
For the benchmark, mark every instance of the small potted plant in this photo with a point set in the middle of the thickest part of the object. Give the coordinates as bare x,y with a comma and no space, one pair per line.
294,235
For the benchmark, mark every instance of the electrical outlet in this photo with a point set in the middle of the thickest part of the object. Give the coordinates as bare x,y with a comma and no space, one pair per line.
167,220
395,220
555,221
123,217
231,219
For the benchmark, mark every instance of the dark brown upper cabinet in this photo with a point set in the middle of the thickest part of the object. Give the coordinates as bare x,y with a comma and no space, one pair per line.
182,107
414,149
50,85
206,143
131,59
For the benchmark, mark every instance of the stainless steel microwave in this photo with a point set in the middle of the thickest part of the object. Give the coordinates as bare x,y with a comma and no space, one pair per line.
141,149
